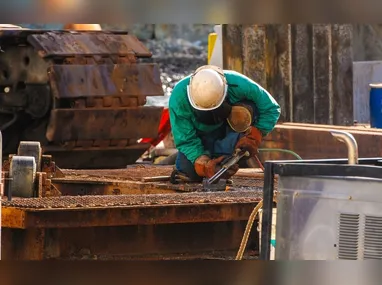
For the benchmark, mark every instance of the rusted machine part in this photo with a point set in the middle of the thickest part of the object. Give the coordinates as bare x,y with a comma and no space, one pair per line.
350,142
42,185
23,177
56,86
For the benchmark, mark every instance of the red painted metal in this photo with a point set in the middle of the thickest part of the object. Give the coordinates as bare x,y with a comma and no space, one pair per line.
163,131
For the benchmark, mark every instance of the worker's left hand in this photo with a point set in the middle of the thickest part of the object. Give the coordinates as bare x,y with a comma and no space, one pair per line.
251,141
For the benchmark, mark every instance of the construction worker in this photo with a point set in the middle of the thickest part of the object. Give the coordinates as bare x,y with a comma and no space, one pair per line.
212,113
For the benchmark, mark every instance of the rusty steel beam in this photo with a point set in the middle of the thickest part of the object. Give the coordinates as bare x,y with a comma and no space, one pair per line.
232,47
278,67
118,210
254,53
342,59
306,67
216,240
302,73
106,217
322,54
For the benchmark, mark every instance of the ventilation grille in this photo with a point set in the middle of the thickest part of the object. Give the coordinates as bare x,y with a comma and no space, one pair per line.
348,236
373,238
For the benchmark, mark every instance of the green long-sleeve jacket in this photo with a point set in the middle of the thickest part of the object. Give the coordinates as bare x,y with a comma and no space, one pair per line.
185,125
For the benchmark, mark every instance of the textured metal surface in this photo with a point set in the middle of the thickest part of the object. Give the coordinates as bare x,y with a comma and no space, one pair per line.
306,67
104,124
135,200
128,210
90,43
232,47
71,81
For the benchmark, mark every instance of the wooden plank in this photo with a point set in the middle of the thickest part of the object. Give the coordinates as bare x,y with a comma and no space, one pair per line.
302,73
342,60
254,53
278,66
321,74
232,47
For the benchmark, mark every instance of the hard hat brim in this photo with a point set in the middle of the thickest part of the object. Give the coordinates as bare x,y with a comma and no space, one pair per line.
206,109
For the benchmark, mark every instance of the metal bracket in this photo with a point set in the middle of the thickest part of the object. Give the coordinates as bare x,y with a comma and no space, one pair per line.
217,186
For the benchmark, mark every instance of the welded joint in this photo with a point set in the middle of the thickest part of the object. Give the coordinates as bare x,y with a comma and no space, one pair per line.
351,144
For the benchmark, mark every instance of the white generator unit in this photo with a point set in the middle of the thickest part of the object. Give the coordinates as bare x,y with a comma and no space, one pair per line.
326,209
329,217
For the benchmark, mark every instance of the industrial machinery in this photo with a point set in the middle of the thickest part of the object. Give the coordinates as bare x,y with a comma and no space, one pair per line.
326,209
81,94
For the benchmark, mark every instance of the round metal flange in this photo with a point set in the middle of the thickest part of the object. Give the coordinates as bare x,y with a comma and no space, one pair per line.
33,149
23,175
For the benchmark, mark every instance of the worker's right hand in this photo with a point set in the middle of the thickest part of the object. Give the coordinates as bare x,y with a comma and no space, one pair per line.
207,167
251,141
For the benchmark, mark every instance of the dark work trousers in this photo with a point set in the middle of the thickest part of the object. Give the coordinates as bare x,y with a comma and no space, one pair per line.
220,142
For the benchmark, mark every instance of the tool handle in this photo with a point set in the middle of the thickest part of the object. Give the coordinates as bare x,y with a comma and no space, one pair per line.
235,159
228,163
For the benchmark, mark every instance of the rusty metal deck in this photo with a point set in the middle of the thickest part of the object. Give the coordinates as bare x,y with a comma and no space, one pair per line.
122,210
113,215
128,227
70,202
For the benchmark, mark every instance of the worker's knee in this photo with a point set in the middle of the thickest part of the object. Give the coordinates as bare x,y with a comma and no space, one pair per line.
185,166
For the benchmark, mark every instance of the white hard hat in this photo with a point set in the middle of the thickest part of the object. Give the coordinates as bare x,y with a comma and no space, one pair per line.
207,89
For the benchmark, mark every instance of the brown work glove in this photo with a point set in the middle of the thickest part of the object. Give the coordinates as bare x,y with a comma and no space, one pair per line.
250,141
207,167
